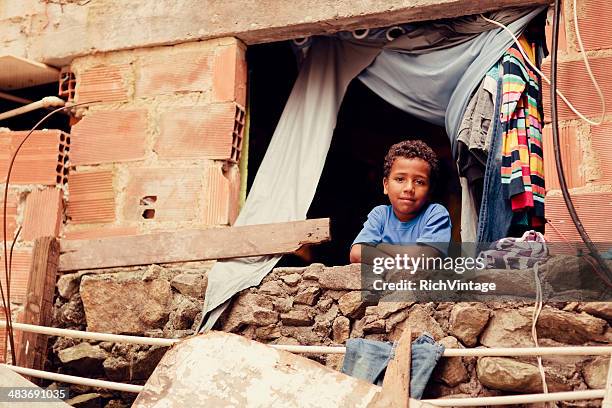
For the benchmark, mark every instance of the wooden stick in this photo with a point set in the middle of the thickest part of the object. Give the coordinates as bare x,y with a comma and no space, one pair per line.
72,379
607,401
192,245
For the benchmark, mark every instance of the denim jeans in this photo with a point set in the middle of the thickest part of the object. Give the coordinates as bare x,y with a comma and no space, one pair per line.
368,359
495,209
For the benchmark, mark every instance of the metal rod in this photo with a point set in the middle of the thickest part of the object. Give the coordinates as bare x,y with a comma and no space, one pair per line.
75,380
475,352
14,98
517,399
46,102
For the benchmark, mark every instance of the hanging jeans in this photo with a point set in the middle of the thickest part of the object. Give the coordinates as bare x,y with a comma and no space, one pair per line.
368,359
495,210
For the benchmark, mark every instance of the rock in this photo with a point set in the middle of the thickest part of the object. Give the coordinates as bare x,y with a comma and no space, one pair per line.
508,328
72,313
84,358
396,319
335,294
420,320
451,370
308,296
334,361
117,368
313,271
185,310
347,277
386,309
599,309
297,318
90,400
596,372
291,279
250,308
153,272
68,284
123,303
373,324
341,329
272,288
323,322
568,327
467,321
115,403
357,331
510,375
324,305
268,332
303,335
352,304
283,305
190,284
146,361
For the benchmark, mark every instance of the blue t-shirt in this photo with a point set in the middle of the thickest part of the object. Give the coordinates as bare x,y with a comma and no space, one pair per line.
431,226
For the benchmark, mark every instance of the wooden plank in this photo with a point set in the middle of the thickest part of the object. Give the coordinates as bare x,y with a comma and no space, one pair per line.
192,245
39,301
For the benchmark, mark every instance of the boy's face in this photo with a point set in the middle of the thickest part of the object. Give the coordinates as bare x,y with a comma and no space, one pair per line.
408,187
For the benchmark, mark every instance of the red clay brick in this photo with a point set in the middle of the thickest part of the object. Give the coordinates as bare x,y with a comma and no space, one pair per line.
43,214
11,215
594,22
101,232
167,73
600,139
575,84
216,209
234,199
571,155
37,160
169,194
104,84
593,210
109,136
19,276
197,132
230,75
91,197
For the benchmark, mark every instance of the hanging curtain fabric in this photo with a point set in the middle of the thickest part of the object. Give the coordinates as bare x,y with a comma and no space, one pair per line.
434,86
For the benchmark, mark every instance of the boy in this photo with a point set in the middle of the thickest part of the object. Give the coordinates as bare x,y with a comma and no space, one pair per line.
410,172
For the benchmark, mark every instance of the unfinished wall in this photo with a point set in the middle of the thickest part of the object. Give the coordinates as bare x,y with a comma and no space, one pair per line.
159,151
320,305
586,151
34,204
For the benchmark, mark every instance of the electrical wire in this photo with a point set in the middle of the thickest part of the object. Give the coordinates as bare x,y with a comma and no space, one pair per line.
548,81
6,302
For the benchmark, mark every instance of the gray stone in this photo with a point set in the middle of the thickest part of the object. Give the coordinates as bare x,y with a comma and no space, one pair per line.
84,358
117,368
313,271
352,305
124,303
467,320
190,284
596,372
146,361
297,318
68,284
251,308
185,310
291,279
308,296
599,309
346,277
72,312
341,329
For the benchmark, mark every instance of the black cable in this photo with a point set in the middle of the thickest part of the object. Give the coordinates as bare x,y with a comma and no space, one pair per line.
7,268
602,267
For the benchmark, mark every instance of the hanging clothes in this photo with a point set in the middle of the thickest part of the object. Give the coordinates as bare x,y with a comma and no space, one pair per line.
521,116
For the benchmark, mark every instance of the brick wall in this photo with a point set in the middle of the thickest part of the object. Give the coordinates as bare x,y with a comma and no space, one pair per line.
587,155
159,152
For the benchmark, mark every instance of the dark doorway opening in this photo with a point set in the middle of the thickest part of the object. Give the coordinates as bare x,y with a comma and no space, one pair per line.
27,120
351,182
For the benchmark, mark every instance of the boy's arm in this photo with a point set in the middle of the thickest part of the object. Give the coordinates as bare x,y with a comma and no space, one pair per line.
370,234
413,251
355,255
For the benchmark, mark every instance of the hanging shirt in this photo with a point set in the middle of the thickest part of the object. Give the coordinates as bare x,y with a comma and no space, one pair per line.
522,169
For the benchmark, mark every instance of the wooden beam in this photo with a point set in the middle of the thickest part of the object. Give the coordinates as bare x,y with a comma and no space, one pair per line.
39,301
192,245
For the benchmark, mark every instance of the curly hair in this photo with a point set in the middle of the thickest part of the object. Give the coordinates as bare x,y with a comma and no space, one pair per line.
412,149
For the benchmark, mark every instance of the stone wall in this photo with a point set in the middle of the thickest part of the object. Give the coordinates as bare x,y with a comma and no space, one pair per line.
320,305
